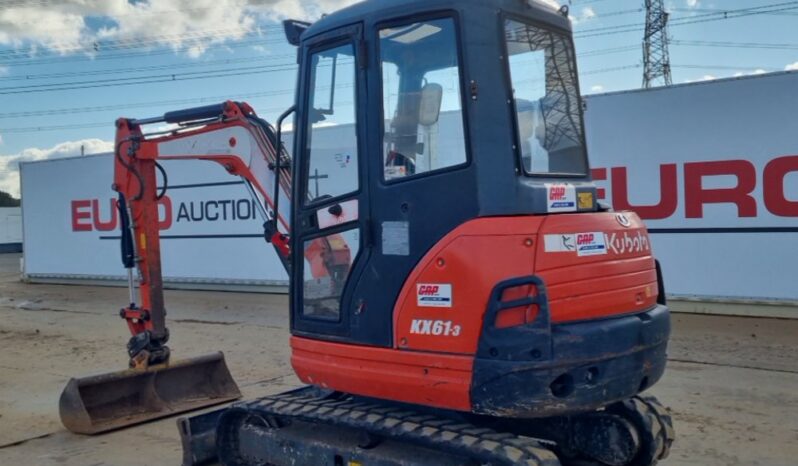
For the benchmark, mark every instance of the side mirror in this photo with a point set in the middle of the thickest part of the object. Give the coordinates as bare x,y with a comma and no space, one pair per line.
430,107
293,30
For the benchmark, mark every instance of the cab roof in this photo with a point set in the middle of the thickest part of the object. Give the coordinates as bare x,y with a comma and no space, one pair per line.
378,10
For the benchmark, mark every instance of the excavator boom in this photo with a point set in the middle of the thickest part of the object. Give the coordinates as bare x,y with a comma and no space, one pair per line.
231,135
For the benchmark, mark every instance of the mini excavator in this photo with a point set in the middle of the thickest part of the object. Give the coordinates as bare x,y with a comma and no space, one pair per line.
458,294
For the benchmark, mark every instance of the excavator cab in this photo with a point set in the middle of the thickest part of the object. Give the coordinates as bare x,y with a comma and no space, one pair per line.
414,118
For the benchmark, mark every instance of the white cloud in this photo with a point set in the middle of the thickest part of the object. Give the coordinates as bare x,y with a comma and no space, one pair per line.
189,25
597,88
9,164
586,14
792,67
693,3
706,77
750,73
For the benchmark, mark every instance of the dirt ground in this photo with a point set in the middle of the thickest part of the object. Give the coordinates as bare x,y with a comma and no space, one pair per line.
732,383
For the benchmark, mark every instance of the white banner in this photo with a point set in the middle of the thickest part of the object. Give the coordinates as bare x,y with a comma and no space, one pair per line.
712,169
211,230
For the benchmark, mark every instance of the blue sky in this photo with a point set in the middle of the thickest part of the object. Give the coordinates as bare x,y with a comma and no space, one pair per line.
69,68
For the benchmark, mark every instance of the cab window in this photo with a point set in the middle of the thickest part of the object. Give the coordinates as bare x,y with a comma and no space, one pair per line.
422,99
331,144
546,97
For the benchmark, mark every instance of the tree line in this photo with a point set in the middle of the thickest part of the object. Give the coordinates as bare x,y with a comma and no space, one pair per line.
7,200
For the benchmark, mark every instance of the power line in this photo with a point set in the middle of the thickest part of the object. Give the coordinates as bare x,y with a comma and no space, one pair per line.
142,69
597,52
695,19
736,45
160,103
704,66
718,10
35,61
44,128
94,47
152,79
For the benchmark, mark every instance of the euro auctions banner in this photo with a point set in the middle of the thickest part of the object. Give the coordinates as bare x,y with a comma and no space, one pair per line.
712,168
211,230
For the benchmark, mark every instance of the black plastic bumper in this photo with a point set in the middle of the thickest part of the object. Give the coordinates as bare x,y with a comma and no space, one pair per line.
541,370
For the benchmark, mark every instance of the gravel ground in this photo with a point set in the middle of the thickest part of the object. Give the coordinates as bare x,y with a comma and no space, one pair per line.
732,383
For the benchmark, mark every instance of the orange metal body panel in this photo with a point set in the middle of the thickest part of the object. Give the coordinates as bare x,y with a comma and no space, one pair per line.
442,381
472,259
479,254
434,367
624,280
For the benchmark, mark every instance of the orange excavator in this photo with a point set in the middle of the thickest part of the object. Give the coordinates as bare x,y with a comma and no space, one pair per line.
458,296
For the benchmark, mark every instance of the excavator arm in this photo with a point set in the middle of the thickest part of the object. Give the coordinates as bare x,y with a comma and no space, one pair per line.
230,134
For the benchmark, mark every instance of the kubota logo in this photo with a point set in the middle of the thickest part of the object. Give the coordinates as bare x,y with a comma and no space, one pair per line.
627,242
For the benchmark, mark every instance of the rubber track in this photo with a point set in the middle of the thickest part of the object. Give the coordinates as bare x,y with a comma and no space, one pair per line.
485,445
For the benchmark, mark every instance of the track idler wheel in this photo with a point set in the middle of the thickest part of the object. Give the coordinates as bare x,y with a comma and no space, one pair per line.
653,424
605,438
633,432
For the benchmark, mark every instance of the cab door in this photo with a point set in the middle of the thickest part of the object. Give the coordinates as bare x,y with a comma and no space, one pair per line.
330,215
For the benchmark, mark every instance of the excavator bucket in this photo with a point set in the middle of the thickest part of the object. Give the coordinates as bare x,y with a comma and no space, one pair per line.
99,403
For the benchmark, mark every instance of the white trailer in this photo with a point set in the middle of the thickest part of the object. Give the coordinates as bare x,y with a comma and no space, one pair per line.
212,236
712,169
710,166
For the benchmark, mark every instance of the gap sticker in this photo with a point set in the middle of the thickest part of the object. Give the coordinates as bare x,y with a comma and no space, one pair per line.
591,244
583,244
434,295
560,198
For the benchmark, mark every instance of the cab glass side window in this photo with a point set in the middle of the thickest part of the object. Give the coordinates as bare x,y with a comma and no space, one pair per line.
422,99
331,144
547,102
